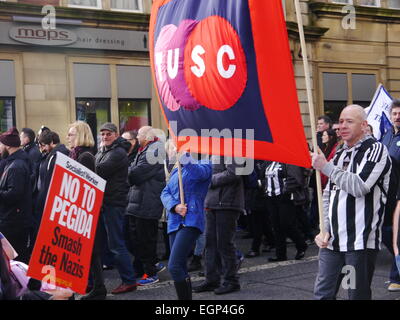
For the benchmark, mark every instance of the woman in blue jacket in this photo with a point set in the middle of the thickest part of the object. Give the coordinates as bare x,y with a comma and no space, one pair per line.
185,221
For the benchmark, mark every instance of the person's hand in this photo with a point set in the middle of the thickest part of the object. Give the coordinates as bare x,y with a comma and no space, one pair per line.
322,240
395,248
318,160
181,209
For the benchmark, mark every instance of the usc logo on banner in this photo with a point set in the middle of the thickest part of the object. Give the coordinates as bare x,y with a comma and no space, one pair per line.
196,59
225,66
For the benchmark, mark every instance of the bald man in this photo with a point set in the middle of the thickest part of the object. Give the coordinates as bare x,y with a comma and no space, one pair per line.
354,201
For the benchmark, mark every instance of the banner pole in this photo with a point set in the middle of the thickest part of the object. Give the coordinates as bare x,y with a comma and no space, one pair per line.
181,194
310,109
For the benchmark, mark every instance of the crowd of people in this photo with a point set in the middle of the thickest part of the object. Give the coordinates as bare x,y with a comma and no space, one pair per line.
200,212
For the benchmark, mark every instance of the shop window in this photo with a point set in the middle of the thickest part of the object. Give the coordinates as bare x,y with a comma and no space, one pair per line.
133,114
7,113
341,89
127,5
394,4
95,112
91,4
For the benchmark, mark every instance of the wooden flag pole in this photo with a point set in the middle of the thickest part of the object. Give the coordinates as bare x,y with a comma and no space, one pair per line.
181,194
310,108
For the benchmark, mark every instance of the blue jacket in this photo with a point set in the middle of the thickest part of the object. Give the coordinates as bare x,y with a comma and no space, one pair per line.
392,143
196,177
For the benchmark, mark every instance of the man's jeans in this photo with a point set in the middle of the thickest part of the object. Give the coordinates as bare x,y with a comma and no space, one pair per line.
200,244
181,243
360,269
113,219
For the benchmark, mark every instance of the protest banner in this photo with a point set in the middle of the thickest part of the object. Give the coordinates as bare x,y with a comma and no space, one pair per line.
68,227
224,76
380,105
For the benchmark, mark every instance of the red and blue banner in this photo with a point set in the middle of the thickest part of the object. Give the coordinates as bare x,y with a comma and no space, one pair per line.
224,64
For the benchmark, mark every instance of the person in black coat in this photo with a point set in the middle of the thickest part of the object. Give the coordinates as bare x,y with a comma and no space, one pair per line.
112,165
131,136
49,142
224,203
15,194
146,180
28,144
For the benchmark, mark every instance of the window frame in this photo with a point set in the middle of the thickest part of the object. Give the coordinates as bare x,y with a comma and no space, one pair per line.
350,2
99,5
378,4
129,10
14,115
348,71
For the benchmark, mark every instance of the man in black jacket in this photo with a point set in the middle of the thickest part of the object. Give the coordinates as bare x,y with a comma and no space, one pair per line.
112,165
28,144
224,203
49,142
147,179
15,194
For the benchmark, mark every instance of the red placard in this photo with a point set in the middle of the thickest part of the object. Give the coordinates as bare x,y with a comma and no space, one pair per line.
68,227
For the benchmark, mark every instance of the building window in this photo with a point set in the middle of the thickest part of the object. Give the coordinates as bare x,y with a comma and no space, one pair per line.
343,1
7,113
95,112
133,114
394,4
370,3
127,5
91,4
341,89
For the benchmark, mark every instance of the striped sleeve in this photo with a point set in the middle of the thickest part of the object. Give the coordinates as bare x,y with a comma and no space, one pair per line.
359,184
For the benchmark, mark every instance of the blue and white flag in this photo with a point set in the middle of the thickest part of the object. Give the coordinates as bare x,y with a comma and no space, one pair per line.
380,105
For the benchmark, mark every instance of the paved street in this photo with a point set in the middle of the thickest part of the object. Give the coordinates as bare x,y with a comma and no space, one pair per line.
261,280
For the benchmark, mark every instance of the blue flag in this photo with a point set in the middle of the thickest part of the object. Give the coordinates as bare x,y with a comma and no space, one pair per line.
385,125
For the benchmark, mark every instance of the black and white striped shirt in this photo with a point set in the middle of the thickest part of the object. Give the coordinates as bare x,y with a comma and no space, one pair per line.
274,180
355,196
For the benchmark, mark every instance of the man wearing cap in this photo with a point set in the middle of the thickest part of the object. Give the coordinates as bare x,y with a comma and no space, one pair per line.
112,165
15,194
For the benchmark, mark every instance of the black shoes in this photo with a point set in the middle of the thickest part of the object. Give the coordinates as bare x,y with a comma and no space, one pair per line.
252,254
276,259
300,254
227,288
183,289
205,286
96,294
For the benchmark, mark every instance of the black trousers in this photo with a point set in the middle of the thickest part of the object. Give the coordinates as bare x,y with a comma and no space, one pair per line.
142,235
261,225
284,221
220,250
96,265
18,238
